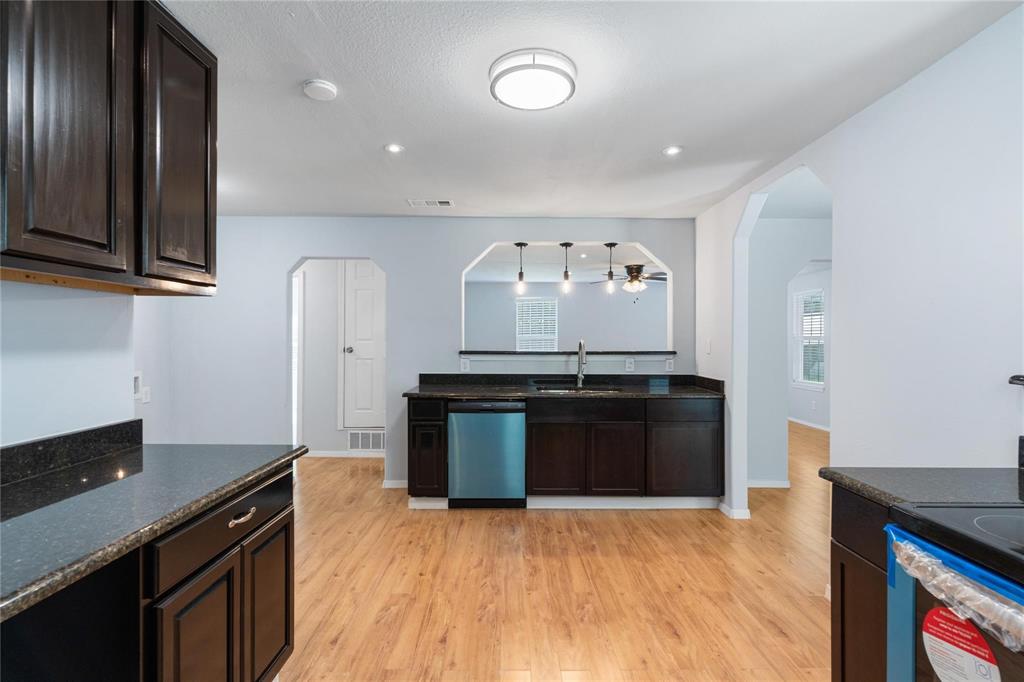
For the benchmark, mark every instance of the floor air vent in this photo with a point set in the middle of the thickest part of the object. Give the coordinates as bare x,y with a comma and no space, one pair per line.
365,440
431,203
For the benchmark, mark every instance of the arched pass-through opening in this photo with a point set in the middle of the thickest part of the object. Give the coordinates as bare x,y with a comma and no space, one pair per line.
784,226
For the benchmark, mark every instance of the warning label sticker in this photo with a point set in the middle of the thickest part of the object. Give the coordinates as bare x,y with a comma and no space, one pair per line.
956,649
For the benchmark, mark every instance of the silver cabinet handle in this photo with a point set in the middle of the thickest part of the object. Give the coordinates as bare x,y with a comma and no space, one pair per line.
350,349
239,520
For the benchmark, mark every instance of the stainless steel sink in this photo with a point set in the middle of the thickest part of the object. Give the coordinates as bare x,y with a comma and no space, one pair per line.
577,389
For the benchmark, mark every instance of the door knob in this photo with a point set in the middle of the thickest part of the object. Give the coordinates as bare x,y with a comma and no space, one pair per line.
350,349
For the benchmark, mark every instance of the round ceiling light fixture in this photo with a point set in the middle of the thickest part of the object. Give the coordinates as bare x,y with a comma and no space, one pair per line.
394,148
320,90
672,150
533,79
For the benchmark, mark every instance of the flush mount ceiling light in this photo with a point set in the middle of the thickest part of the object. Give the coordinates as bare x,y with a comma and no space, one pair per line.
520,282
320,90
566,284
533,79
672,150
394,148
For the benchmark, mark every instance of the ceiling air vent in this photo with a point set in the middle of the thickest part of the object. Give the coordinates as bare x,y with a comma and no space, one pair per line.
430,203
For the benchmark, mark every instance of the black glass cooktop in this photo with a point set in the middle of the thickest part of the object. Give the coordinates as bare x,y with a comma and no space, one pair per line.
991,534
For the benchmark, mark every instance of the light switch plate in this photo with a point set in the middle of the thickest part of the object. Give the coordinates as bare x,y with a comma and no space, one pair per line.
630,364
707,350
137,385
670,365
464,364
146,394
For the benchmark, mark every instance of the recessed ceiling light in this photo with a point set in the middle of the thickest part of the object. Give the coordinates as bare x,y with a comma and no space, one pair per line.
672,150
394,148
320,90
533,79
583,255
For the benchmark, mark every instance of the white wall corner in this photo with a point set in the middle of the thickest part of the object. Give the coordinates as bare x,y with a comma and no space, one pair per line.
739,514
396,483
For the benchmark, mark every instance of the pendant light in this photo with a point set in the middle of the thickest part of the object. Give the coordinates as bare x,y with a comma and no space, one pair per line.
566,284
610,286
520,282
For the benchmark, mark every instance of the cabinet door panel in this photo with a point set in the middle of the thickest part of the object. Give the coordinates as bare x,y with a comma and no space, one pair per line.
684,458
615,459
269,614
198,626
180,157
69,132
556,459
428,460
858,617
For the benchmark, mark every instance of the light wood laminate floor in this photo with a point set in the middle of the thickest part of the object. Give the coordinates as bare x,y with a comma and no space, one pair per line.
388,593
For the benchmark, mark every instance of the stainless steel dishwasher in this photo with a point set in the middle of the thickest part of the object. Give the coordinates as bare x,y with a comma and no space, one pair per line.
486,453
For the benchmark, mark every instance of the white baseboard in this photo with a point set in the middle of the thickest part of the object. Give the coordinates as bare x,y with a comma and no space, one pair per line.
396,484
738,514
428,502
345,453
610,502
766,483
809,425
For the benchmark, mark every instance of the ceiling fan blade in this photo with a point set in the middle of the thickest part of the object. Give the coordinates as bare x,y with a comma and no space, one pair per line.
655,275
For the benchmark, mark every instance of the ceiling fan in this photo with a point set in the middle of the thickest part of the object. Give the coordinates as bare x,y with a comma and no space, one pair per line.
635,279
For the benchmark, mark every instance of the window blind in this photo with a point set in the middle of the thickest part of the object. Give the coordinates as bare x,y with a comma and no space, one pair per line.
536,324
810,332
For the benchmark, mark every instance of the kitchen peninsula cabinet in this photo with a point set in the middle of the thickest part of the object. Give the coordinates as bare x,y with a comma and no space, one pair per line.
109,138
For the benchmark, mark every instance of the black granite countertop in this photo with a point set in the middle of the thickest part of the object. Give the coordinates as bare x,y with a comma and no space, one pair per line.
62,525
927,485
592,391
519,386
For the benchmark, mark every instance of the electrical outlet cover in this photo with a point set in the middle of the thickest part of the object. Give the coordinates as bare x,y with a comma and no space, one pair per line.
630,364
146,395
464,364
670,365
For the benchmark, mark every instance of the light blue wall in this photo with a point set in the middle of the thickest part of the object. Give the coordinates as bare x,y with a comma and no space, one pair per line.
66,360
618,321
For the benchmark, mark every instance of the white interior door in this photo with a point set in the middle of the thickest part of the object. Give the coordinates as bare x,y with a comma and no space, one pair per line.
362,346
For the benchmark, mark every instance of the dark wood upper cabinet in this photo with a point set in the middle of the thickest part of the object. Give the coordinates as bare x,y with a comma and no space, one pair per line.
68,132
685,458
556,459
268,626
179,152
198,626
615,458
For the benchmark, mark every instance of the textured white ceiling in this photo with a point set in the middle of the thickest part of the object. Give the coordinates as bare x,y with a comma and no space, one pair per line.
739,85
545,262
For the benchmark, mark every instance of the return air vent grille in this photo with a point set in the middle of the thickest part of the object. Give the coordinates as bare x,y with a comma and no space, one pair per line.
365,440
431,203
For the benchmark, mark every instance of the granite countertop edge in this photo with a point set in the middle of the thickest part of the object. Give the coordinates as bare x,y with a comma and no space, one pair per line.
858,486
34,592
496,392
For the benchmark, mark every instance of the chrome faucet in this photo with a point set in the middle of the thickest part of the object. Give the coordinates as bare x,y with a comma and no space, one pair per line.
581,363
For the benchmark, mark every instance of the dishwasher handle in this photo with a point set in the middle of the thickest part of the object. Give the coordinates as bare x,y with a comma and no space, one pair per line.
486,406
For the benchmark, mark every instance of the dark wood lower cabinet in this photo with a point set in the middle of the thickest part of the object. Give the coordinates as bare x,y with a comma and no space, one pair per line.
556,459
615,458
858,617
685,458
428,459
198,625
268,612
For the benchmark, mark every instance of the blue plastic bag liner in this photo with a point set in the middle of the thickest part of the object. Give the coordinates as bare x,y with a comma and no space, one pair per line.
972,592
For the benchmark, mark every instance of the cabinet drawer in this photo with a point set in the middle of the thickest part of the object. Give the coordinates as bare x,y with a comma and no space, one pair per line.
684,410
175,556
858,524
562,410
426,410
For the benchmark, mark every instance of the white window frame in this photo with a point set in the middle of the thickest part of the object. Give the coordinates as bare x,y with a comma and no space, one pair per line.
798,338
552,338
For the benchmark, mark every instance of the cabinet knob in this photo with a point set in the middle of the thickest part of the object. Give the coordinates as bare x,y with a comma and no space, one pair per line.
350,349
